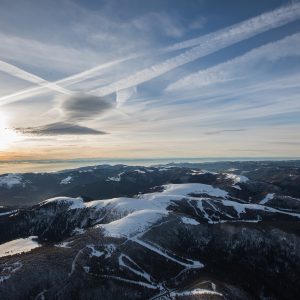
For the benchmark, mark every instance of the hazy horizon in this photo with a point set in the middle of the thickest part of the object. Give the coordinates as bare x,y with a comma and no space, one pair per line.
36,166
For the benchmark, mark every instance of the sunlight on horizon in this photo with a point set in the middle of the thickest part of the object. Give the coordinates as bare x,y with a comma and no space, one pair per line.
8,135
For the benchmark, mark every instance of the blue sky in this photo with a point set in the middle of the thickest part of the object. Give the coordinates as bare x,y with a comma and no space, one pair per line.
149,78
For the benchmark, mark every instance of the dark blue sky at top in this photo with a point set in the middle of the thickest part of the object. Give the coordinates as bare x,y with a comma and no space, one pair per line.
48,21
58,38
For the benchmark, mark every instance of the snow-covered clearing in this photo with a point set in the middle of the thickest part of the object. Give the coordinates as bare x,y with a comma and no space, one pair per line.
66,180
189,221
237,178
18,246
194,292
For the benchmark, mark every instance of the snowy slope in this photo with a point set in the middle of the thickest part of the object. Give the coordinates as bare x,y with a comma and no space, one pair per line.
126,216
154,245
18,246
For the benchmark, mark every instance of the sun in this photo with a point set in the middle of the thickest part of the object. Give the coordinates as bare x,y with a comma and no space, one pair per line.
8,136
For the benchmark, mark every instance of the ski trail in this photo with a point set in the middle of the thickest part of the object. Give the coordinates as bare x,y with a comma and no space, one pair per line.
141,273
147,285
192,263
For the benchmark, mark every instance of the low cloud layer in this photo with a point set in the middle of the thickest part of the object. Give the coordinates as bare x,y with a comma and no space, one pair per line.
222,131
60,128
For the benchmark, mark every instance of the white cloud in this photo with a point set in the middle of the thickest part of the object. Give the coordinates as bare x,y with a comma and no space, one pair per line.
239,66
211,44
19,73
250,27
124,95
162,124
159,23
49,56
44,85
197,24
206,45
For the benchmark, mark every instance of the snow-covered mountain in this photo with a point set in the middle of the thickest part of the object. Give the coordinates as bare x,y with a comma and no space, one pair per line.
232,234
106,181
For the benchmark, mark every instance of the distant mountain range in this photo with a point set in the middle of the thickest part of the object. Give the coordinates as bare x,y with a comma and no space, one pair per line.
224,230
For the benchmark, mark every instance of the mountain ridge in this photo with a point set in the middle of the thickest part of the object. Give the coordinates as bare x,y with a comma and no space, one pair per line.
205,235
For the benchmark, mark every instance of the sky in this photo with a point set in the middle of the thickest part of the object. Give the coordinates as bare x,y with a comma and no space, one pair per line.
139,78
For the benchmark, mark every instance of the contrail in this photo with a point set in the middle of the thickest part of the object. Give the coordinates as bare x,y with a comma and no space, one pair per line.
207,44
272,19
19,73
216,41
274,50
42,83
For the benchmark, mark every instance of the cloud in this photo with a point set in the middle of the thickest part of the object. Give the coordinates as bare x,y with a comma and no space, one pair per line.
250,27
222,131
124,95
27,76
83,106
239,66
208,44
60,128
286,143
198,24
40,54
56,85
159,23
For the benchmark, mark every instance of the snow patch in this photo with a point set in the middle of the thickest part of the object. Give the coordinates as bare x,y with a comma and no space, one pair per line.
78,231
8,212
109,249
237,178
195,292
140,171
64,244
8,269
186,189
74,203
241,208
10,180
67,180
187,263
115,178
237,187
18,246
86,171
133,223
189,221
95,252
137,270
140,283
267,198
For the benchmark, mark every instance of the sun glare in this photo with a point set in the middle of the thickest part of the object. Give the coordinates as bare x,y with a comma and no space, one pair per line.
7,135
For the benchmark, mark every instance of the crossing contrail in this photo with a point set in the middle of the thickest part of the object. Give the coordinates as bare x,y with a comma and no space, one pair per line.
20,73
200,47
214,42
42,83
